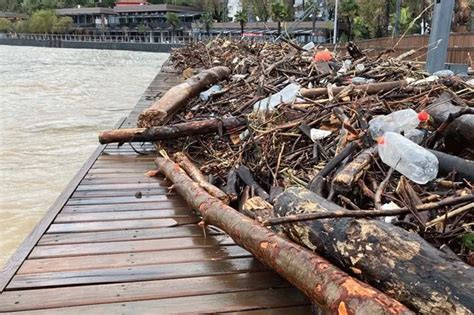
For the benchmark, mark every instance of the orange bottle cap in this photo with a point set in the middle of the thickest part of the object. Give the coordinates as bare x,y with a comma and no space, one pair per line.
423,116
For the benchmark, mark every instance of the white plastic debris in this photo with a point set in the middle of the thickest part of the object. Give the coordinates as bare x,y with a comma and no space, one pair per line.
427,80
287,95
361,80
309,46
204,96
444,73
360,67
390,206
318,134
470,82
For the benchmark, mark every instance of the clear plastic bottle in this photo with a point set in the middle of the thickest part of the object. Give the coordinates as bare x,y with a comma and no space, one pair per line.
408,158
399,121
286,95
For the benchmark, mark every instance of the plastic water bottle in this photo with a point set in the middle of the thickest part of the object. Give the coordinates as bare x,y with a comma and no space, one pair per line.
286,95
204,96
399,121
408,158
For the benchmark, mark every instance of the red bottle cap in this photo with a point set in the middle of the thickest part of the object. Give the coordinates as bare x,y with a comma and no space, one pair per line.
380,140
423,116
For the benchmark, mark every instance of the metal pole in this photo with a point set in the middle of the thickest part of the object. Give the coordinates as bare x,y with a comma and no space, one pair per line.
439,37
334,40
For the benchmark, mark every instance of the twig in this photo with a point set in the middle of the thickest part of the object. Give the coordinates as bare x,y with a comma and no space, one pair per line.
366,213
381,188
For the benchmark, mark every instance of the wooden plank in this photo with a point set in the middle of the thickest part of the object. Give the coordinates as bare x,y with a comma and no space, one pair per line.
120,193
137,206
26,246
211,303
120,200
99,187
303,309
135,273
119,225
123,180
49,251
122,215
132,259
137,291
125,235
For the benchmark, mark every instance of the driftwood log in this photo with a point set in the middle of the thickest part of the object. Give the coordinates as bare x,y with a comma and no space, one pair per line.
459,128
175,98
353,171
463,168
326,285
199,178
370,88
395,261
170,132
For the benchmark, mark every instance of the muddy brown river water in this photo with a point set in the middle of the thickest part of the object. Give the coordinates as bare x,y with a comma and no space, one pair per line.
53,102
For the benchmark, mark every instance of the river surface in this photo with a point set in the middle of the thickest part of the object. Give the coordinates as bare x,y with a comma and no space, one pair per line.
53,102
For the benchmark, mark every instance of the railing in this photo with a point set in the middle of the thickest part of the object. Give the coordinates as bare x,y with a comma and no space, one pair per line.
460,45
135,37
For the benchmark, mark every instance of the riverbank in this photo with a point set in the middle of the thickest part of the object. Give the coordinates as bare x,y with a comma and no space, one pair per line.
130,46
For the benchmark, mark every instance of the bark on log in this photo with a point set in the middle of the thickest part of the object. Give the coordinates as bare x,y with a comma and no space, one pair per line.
199,178
370,88
353,171
395,261
324,284
175,98
447,163
170,132
460,130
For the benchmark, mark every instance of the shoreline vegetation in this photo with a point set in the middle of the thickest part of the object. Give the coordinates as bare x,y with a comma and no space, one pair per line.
359,19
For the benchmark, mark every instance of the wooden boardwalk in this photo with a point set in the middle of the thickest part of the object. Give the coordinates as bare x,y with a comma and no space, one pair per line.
119,242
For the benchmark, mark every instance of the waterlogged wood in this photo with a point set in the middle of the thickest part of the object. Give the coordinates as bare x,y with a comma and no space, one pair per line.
323,283
170,256
48,251
370,88
353,171
137,291
198,177
125,235
123,215
175,98
136,273
153,134
210,303
119,225
396,261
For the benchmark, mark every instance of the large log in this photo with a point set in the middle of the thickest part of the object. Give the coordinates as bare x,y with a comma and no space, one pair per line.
324,284
152,134
459,129
395,261
175,98
370,88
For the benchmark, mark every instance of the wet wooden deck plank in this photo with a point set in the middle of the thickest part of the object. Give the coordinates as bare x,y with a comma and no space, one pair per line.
103,248
136,291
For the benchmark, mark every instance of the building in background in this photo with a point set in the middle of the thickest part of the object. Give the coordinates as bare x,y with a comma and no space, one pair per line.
131,16
12,16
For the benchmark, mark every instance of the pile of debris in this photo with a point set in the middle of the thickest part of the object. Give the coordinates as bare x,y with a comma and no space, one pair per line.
314,145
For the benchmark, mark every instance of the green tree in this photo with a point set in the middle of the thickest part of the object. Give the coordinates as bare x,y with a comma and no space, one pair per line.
241,17
279,13
262,9
20,26
42,21
173,20
207,21
5,25
349,11
63,25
